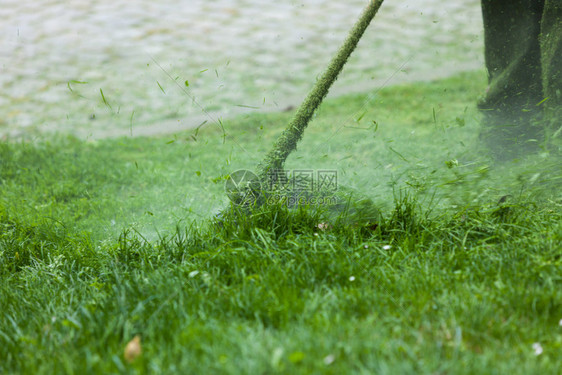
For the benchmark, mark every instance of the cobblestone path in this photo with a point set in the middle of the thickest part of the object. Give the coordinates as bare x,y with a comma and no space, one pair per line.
120,67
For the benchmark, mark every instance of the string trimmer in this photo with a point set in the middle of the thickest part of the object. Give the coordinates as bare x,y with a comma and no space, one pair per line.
249,188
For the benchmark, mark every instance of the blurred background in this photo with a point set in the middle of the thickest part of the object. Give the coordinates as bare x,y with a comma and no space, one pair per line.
121,68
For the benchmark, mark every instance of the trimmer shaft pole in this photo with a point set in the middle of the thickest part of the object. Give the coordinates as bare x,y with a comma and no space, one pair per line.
288,140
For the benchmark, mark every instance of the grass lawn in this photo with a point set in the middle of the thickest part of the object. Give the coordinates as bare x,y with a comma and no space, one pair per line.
105,243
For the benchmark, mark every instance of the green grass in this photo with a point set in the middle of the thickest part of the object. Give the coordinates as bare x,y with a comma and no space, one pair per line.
102,241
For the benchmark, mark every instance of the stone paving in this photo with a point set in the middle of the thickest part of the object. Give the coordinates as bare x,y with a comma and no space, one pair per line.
112,68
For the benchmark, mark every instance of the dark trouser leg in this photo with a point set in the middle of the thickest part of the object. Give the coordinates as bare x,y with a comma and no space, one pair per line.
513,61
551,55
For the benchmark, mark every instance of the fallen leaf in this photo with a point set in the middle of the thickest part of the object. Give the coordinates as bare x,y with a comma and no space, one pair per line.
133,349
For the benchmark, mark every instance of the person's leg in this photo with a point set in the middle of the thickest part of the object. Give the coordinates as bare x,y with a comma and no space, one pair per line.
551,58
513,61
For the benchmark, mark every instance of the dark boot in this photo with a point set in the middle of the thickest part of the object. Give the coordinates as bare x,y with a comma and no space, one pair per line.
551,58
513,60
